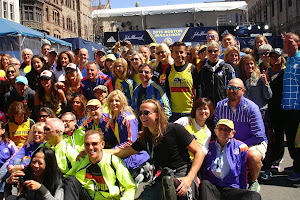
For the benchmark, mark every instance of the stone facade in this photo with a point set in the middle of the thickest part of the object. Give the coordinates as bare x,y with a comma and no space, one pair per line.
281,15
9,9
58,18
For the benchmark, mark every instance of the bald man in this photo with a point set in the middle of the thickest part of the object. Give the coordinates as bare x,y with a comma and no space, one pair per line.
83,60
248,124
212,35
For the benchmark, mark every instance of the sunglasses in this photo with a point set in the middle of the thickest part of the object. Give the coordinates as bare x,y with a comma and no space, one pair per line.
144,71
145,113
108,60
188,53
71,71
133,59
210,36
92,108
100,54
265,54
92,143
44,79
235,88
44,116
48,129
11,71
67,121
202,51
161,52
215,51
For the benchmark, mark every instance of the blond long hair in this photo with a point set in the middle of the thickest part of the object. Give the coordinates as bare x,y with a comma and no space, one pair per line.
162,123
123,100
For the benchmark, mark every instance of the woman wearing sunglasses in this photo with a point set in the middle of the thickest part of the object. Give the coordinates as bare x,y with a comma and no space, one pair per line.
163,61
168,145
136,59
123,129
215,75
264,59
48,95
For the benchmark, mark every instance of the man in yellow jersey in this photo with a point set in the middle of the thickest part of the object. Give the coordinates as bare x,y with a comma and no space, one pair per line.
180,81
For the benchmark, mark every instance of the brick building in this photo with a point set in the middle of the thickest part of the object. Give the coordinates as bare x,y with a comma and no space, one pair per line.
58,18
280,15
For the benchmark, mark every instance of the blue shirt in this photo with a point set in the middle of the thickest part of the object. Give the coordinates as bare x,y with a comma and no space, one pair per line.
291,84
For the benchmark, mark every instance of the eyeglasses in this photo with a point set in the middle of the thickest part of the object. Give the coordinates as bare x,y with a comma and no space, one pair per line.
44,116
11,71
226,130
145,113
71,71
235,88
215,51
161,52
144,71
210,36
92,143
133,59
264,53
92,108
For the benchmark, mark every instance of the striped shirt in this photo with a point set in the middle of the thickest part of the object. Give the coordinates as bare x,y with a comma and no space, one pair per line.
247,119
291,84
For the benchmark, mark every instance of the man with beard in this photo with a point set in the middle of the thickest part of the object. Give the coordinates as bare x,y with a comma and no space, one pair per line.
248,124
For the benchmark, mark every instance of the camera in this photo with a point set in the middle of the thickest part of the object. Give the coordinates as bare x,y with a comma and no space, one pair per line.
123,43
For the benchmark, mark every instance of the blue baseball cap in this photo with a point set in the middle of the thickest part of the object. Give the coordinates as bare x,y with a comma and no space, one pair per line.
22,79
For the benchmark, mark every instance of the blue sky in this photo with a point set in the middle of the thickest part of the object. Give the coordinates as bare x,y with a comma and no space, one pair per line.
143,3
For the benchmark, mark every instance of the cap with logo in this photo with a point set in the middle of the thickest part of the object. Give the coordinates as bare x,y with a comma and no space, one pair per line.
71,65
46,73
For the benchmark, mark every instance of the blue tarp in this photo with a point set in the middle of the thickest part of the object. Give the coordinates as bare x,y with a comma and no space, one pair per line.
15,37
13,28
81,43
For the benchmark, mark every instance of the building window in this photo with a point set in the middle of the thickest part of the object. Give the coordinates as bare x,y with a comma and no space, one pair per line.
39,15
55,17
63,22
4,9
74,27
280,5
47,14
28,13
266,14
69,24
11,11
290,2
73,4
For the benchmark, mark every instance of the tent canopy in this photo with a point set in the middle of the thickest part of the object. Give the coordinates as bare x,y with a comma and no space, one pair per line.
13,28
167,9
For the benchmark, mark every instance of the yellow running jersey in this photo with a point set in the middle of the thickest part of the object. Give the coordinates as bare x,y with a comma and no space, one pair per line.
181,90
19,133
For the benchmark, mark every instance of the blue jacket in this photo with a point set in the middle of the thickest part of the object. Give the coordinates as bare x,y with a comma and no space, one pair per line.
26,151
128,133
236,154
153,91
127,88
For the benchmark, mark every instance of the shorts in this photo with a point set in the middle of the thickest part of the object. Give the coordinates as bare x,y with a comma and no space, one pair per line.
261,148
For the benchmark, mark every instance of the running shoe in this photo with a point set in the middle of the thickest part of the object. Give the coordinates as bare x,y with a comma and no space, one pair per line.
267,175
289,169
294,176
254,186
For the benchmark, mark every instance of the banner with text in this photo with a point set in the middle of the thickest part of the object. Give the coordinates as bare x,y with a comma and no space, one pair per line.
169,35
136,37
198,34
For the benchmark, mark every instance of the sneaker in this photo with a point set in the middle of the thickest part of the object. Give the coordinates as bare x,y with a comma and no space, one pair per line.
275,168
254,186
289,169
266,175
294,176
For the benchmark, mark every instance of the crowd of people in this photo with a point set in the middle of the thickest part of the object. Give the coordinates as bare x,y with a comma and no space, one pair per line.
191,122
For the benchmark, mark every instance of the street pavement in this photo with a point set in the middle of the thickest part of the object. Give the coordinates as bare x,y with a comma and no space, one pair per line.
277,188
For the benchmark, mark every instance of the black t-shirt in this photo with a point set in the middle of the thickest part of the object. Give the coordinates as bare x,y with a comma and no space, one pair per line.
94,172
171,151
142,96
